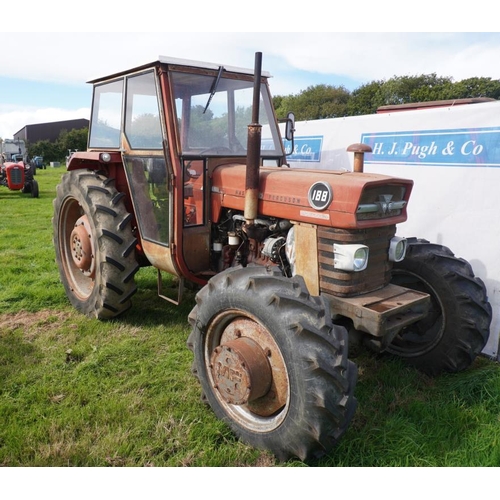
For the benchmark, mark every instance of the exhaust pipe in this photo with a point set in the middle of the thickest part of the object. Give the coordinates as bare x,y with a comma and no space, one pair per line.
359,151
253,149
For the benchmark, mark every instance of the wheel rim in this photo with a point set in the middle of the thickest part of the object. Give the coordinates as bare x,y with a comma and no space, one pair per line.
422,336
77,250
246,371
81,247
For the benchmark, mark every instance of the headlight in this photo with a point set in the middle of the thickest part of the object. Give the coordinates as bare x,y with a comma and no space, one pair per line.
350,257
397,249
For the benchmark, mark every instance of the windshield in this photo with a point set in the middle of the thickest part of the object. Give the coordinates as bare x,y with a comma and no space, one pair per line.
213,114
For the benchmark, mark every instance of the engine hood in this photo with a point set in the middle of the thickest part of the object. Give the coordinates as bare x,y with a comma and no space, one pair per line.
327,198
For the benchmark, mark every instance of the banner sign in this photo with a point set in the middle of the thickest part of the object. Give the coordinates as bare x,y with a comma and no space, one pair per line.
453,147
305,148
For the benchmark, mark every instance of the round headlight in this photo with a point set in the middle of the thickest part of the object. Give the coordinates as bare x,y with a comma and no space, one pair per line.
360,259
350,257
397,249
400,251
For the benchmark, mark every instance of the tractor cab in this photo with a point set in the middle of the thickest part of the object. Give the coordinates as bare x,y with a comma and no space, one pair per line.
171,123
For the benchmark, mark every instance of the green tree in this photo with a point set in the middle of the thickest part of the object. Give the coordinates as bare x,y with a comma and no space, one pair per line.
316,102
474,87
75,139
323,101
49,150
366,99
405,89
398,90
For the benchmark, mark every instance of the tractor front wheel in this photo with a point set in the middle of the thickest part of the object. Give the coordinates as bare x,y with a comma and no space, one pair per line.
456,329
271,363
35,192
94,244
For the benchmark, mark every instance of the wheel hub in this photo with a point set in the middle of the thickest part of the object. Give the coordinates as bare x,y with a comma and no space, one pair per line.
81,247
241,371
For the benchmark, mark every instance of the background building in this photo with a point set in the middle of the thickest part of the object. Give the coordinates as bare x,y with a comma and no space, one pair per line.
49,131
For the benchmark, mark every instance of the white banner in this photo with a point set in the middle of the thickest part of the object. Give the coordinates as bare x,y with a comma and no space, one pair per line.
453,156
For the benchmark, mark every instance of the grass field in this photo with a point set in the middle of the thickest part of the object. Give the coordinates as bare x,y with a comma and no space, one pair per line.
79,392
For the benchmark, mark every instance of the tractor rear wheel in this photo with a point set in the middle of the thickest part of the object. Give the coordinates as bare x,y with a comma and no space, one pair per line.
457,327
94,244
271,363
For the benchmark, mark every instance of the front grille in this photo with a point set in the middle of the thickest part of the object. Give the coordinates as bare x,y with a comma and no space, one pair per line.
380,202
16,175
344,283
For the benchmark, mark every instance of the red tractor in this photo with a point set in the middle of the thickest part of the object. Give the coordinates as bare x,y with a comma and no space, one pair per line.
186,171
18,176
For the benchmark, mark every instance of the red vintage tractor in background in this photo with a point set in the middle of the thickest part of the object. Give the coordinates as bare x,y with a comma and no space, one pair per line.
19,176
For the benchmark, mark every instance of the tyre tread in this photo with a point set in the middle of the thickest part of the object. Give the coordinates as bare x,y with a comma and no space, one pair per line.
467,328
115,243
320,351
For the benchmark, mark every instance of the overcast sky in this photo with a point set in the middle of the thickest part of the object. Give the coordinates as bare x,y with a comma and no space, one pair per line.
43,75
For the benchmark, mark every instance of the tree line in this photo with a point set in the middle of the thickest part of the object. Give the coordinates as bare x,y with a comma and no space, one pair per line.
329,101
72,140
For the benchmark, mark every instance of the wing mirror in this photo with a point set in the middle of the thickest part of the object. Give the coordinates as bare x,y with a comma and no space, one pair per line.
290,129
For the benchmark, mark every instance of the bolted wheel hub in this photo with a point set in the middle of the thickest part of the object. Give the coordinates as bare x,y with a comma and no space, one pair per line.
81,247
241,371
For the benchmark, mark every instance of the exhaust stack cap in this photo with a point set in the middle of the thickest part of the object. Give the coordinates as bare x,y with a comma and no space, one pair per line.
359,151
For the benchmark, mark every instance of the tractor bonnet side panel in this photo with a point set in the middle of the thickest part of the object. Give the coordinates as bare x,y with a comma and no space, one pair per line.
315,197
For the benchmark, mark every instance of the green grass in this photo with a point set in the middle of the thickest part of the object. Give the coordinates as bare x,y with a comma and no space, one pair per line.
79,392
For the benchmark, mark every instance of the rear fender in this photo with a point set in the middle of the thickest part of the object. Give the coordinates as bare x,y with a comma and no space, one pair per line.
109,163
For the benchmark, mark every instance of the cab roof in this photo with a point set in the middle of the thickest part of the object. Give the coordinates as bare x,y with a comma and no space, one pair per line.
174,61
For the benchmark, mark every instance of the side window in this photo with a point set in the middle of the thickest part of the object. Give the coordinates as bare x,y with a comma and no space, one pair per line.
142,116
106,119
148,181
